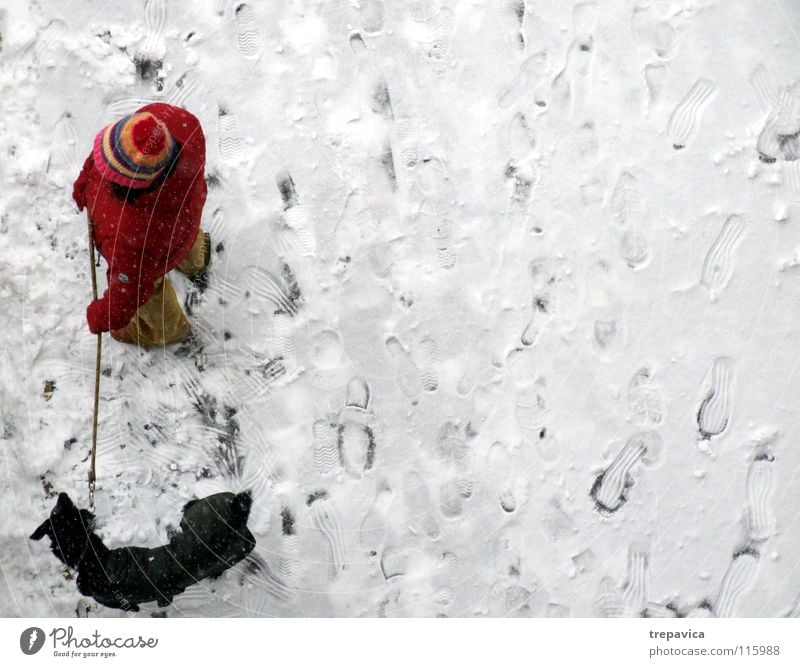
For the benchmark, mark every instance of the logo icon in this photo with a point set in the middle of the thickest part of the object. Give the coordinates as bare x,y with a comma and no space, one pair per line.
31,640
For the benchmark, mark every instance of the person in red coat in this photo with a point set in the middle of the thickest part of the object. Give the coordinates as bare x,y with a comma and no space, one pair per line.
144,188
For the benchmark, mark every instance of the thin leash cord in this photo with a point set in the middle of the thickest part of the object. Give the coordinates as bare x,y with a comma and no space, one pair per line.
92,466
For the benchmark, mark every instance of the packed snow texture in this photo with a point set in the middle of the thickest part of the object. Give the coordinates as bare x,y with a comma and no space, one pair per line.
501,318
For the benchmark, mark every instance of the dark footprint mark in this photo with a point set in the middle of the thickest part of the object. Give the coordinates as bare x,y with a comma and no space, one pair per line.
655,610
292,233
543,279
193,348
285,184
523,182
148,61
355,439
375,89
610,489
357,44
500,470
517,10
283,292
790,146
287,522
213,180
149,69
199,282
290,563
781,127
294,295
356,446
381,101
148,64
259,379
716,409
702,610
223,423
387,162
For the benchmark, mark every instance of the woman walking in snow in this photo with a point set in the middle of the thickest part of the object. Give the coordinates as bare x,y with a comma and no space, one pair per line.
144,188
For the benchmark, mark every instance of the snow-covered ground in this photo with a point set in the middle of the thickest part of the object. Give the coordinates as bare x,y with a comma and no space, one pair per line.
501,319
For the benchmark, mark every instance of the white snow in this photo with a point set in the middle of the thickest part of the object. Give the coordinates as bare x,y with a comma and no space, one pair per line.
512,283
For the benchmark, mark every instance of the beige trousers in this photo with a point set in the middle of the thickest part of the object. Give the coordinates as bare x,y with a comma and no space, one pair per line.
160,320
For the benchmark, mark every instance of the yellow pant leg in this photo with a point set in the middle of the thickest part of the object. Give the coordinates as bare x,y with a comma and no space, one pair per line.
198,256
158,322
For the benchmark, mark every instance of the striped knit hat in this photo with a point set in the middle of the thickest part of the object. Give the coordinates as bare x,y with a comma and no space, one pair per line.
133,151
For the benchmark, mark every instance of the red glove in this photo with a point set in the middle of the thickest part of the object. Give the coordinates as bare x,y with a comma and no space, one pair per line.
97,316
119,304
79,188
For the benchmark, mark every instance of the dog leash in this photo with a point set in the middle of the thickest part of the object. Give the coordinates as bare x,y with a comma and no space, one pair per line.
92,465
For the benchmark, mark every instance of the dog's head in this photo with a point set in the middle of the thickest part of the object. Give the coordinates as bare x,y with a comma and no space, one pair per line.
69,530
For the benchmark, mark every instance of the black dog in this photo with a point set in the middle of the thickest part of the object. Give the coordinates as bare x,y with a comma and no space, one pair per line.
214,537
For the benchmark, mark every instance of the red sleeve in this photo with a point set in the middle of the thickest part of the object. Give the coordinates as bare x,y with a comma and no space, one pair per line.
128,288
79,187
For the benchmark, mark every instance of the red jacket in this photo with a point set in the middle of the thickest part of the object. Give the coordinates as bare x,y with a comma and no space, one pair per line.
143,239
